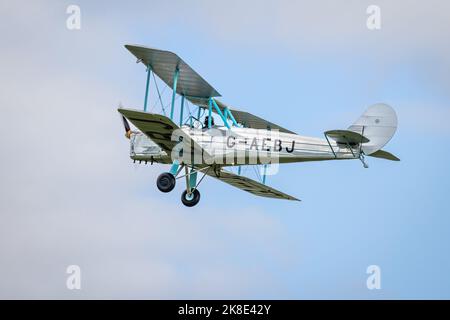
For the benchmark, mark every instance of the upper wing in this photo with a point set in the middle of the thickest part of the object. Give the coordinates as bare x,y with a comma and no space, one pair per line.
164,63
245,118
249,185
191,84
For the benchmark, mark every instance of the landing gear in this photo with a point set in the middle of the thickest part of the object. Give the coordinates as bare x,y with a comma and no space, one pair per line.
165,182
361,157
190,200
190,196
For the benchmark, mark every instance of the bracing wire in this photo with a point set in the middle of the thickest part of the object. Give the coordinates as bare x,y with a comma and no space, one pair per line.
159,94
256,169
188,105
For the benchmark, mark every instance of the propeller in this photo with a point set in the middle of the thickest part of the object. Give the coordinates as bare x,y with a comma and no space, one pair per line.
126,125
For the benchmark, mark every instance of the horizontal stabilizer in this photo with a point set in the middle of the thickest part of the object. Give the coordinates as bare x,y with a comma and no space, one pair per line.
346,137
249,185
384,155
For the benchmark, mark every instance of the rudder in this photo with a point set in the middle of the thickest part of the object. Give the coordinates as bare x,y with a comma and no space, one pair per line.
378,123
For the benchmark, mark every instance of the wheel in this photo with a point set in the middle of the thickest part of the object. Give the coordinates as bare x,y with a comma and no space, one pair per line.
192,200
165,182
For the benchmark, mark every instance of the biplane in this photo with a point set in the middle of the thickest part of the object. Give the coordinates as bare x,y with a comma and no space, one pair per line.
197,145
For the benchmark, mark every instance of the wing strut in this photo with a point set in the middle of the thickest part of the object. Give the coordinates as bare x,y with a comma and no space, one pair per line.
174,91
149,71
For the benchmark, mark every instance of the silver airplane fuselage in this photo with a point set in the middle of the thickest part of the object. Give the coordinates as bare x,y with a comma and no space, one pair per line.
241,146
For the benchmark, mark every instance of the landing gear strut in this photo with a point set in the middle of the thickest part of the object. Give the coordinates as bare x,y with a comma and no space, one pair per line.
165,182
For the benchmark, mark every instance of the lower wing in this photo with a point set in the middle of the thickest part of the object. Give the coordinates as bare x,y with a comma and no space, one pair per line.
249,185
158,128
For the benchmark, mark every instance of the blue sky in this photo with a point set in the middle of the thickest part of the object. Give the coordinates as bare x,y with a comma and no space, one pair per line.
71,195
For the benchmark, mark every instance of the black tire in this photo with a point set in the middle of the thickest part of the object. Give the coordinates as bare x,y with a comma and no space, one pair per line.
165,182
193,200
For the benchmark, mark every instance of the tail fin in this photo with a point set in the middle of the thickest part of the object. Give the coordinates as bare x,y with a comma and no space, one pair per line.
378,123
